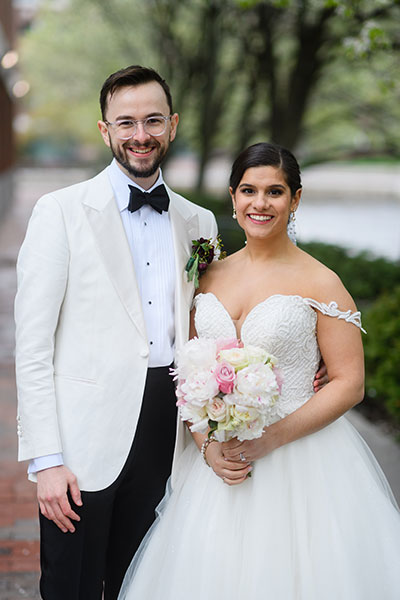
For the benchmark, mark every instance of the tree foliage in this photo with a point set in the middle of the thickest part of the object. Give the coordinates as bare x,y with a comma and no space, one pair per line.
240,70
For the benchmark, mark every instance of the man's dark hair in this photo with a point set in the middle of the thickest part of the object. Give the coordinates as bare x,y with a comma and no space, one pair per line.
131,76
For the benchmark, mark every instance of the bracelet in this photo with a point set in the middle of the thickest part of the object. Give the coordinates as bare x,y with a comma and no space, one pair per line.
205,445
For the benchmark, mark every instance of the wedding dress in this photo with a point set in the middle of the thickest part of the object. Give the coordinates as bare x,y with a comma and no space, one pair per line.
315,521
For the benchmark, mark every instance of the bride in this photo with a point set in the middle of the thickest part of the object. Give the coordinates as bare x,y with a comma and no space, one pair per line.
316,520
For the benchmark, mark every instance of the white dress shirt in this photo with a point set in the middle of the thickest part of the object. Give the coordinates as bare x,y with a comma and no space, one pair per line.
150,239
149,236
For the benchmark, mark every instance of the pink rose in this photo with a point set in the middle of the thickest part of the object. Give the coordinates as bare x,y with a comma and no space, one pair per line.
225,377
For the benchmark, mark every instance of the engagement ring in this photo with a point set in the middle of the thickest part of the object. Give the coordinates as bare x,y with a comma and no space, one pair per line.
242,457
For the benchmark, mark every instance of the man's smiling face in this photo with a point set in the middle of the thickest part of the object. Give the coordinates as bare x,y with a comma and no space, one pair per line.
141,155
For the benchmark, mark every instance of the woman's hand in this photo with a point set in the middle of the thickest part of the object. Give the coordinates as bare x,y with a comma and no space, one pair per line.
232,472
251,450
321,377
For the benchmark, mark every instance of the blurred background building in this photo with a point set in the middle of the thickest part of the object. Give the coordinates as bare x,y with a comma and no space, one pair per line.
15,16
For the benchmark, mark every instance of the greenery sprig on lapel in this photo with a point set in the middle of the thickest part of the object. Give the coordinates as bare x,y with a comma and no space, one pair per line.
203,253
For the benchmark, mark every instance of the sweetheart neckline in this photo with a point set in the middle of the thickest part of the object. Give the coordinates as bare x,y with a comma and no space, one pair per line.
254,307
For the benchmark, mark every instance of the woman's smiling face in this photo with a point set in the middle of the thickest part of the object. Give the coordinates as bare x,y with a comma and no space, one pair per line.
263,202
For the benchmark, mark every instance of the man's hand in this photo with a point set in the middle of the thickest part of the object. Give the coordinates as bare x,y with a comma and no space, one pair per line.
321,377
52,488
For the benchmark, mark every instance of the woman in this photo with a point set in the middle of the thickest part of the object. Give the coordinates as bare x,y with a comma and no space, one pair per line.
316,520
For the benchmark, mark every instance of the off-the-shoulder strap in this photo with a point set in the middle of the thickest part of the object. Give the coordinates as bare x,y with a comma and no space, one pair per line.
332,310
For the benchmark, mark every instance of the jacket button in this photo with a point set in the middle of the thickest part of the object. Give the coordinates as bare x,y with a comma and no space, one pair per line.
144,353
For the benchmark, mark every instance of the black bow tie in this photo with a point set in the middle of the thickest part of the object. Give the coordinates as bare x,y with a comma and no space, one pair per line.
157,199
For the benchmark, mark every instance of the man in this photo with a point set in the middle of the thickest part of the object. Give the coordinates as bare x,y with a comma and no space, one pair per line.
103,302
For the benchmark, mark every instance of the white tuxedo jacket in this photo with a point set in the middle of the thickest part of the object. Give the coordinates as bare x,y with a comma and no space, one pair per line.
81,345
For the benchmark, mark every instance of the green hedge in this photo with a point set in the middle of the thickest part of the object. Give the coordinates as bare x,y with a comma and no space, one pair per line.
364,276
382,354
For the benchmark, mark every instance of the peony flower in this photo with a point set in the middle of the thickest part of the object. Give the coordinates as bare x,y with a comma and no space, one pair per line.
251,429
257,383
279,378
225,376
197,416
199,388
198,354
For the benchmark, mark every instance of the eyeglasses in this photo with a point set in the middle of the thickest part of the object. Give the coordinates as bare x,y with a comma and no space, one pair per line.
126,128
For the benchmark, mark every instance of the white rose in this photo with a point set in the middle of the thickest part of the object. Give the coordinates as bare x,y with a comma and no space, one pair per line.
237,357
256,354
218,410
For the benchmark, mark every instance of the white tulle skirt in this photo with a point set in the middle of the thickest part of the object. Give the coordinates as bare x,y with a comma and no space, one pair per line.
316,521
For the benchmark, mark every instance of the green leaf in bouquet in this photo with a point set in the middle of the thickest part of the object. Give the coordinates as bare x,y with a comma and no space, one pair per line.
213,425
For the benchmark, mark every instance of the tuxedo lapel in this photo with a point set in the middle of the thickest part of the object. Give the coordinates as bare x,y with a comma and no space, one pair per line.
105,222
185,228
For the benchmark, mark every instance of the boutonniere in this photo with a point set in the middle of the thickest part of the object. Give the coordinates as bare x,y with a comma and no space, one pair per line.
203,253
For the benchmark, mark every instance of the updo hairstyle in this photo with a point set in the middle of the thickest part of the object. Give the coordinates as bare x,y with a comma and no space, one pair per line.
267,155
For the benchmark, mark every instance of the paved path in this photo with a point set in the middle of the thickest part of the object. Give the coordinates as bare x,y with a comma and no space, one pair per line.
19,546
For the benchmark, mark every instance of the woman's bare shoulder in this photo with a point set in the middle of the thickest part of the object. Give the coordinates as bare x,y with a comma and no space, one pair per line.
323,284
218,269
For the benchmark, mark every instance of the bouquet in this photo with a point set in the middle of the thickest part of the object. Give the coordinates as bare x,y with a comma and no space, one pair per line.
226,387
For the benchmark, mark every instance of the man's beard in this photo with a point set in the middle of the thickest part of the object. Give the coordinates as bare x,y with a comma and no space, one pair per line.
151,169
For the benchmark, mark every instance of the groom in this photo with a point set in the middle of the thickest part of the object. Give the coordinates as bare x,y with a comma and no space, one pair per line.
102,304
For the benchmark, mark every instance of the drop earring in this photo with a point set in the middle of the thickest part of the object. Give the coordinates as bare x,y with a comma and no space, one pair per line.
291,227
234,213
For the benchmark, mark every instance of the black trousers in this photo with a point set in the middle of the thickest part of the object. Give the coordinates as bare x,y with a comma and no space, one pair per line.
93,559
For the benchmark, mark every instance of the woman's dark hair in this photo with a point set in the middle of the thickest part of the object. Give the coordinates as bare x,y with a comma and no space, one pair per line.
267,155
131,76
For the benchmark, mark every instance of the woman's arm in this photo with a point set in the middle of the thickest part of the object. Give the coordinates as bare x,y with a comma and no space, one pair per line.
341,348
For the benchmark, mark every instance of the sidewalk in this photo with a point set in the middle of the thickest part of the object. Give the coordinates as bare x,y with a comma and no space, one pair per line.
19,545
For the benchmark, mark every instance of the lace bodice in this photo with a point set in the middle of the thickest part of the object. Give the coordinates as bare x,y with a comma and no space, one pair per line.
286,327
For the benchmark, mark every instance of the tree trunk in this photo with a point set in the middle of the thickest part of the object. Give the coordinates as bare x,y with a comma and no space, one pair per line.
287,115
208,109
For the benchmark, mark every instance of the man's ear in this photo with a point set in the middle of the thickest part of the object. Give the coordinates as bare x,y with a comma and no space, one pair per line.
104,132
